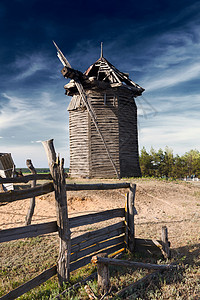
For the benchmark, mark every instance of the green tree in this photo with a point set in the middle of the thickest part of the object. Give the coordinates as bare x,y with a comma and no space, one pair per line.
192,162
146,163
159,163
180,168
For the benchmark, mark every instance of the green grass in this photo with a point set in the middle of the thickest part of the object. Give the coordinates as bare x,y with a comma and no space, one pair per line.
25,259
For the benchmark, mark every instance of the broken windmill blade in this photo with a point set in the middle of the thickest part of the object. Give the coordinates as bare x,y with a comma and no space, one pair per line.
61,56
75,76
87,103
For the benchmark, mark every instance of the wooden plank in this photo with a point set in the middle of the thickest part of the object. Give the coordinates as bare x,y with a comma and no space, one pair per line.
97,247
96,233
26,178
97,239
97,186
24,288
28,193
11,234
96,217
7,235
130,264
143,281
84,261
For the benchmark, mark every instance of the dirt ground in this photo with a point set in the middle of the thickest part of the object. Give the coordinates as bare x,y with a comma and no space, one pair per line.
174,204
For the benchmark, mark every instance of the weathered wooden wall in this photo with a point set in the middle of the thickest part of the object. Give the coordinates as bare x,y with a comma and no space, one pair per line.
116,114
79,143
106,110
128,135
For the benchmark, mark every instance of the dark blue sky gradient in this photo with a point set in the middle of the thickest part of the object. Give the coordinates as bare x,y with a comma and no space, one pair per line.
156,42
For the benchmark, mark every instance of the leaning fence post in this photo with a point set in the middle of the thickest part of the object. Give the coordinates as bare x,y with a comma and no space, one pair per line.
130,217
32,200
165,242
58,175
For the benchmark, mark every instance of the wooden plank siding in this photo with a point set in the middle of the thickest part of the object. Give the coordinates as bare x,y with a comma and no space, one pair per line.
79,151
107,118
116,116
128,136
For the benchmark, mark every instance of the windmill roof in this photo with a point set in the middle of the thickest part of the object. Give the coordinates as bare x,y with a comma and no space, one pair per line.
101,74
103,70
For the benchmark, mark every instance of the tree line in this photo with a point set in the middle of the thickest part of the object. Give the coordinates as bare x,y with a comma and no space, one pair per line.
165,165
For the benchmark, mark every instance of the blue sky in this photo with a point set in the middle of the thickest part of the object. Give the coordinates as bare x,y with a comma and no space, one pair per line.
156,42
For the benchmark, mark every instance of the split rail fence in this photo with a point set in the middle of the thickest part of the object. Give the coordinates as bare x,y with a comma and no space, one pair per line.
78,251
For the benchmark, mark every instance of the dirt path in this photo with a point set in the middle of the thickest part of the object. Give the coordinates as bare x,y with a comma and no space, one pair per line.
158,203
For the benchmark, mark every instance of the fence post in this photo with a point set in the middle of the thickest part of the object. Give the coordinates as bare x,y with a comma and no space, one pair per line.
165,242
32,200
103,276
130,217
57,173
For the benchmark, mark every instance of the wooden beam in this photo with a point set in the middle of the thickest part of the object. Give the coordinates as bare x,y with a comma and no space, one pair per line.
11,234
145,280
28,193
130,264
97,186
26,178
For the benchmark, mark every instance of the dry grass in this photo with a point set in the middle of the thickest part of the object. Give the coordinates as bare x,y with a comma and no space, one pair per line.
157,204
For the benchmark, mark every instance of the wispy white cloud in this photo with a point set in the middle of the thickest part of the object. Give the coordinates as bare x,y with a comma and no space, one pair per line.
28,65
28,111
179,132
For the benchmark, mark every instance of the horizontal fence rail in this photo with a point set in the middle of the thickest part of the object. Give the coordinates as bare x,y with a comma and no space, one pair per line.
49,227
11,234
12,196
96,217
97,186
103,244
26,178
89,238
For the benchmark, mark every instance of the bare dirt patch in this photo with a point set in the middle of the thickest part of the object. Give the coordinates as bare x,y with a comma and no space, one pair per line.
175,204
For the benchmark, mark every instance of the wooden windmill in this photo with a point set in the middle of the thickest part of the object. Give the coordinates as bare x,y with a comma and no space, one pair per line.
102,121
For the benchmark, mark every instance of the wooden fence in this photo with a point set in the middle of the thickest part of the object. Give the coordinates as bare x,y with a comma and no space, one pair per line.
78,251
